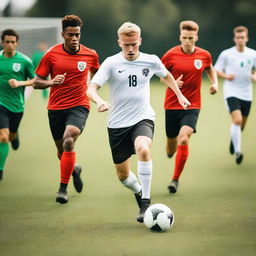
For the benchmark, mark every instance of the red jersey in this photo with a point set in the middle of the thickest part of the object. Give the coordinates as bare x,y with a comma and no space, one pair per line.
72,92
192,67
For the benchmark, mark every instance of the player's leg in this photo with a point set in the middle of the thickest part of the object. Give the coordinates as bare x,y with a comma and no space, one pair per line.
171,146
4,148
188,123
15,119
142,136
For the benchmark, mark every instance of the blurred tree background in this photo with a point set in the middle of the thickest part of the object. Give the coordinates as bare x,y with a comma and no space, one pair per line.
158,19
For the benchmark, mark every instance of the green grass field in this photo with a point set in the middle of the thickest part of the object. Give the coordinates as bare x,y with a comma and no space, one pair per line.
214,207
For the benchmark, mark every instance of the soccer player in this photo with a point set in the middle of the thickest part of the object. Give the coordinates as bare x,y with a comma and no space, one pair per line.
16,72
237,66
69,65
131,119
186,62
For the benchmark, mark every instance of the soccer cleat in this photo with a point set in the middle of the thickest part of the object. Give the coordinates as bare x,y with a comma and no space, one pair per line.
16,142
138,198
77,181
173,187
62,197
231,148
239,158
1,174
145,203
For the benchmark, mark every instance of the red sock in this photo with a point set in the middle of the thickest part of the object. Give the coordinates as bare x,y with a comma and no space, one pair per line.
180,160
67,164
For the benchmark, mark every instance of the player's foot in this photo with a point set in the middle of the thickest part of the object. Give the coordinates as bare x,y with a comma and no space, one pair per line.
16,142
173,187
62,197
231,148
77,181
145,203
138,198
1,174
239,158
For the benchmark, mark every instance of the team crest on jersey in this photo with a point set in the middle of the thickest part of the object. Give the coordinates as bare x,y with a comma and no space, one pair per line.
145,71
81,65
198,63
16,67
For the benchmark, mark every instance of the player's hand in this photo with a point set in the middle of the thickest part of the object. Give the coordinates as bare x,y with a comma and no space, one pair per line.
184,102
179,81
103,106
59,79
230,77
14,83
213,89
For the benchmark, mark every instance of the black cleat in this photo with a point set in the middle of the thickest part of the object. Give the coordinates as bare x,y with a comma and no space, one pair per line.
231,148
138,198
1,174
16,142
239,158
77,181
145,203
173,187
62,197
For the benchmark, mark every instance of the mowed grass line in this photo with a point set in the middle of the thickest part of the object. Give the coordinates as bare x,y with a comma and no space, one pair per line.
214,207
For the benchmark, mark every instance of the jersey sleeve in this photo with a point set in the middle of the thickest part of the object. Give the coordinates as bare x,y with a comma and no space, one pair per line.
166,60
43,68
30,69
208,61
161,70
102,75
220,63
95,64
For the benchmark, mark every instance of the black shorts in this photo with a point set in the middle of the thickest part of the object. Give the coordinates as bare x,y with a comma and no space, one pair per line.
59,119
9,119
176,118
237,104
122,140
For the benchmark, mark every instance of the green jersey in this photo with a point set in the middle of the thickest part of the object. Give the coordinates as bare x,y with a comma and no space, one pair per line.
18,67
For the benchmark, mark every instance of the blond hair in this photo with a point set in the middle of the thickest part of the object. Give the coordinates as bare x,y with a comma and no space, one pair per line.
240,29
189,25
128,29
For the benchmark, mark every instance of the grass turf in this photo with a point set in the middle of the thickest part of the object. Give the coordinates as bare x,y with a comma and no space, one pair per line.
214,207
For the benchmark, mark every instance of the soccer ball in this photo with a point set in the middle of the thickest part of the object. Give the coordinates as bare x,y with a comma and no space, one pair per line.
159,217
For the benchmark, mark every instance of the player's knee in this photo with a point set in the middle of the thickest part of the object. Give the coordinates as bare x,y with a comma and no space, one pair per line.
238,121
68,144
143,151
184,139
4,137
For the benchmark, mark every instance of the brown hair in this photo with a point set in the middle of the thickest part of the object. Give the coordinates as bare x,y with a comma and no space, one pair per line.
189,25
240,29
71,21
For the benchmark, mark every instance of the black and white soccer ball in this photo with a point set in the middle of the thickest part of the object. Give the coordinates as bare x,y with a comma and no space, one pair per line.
159,217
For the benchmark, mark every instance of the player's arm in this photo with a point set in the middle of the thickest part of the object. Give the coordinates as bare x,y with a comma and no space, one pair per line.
223,75
42,82
253,76
212,75
172,84
15,83
92,94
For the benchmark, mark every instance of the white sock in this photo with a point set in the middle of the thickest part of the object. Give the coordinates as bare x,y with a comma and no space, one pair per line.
132,183
145,175
235,132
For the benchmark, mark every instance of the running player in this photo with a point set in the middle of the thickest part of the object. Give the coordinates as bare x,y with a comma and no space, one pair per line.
131,119
16,72
236,66
186,62
69,65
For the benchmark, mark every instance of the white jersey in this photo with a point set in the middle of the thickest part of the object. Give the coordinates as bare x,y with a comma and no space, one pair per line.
129,87
240,64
